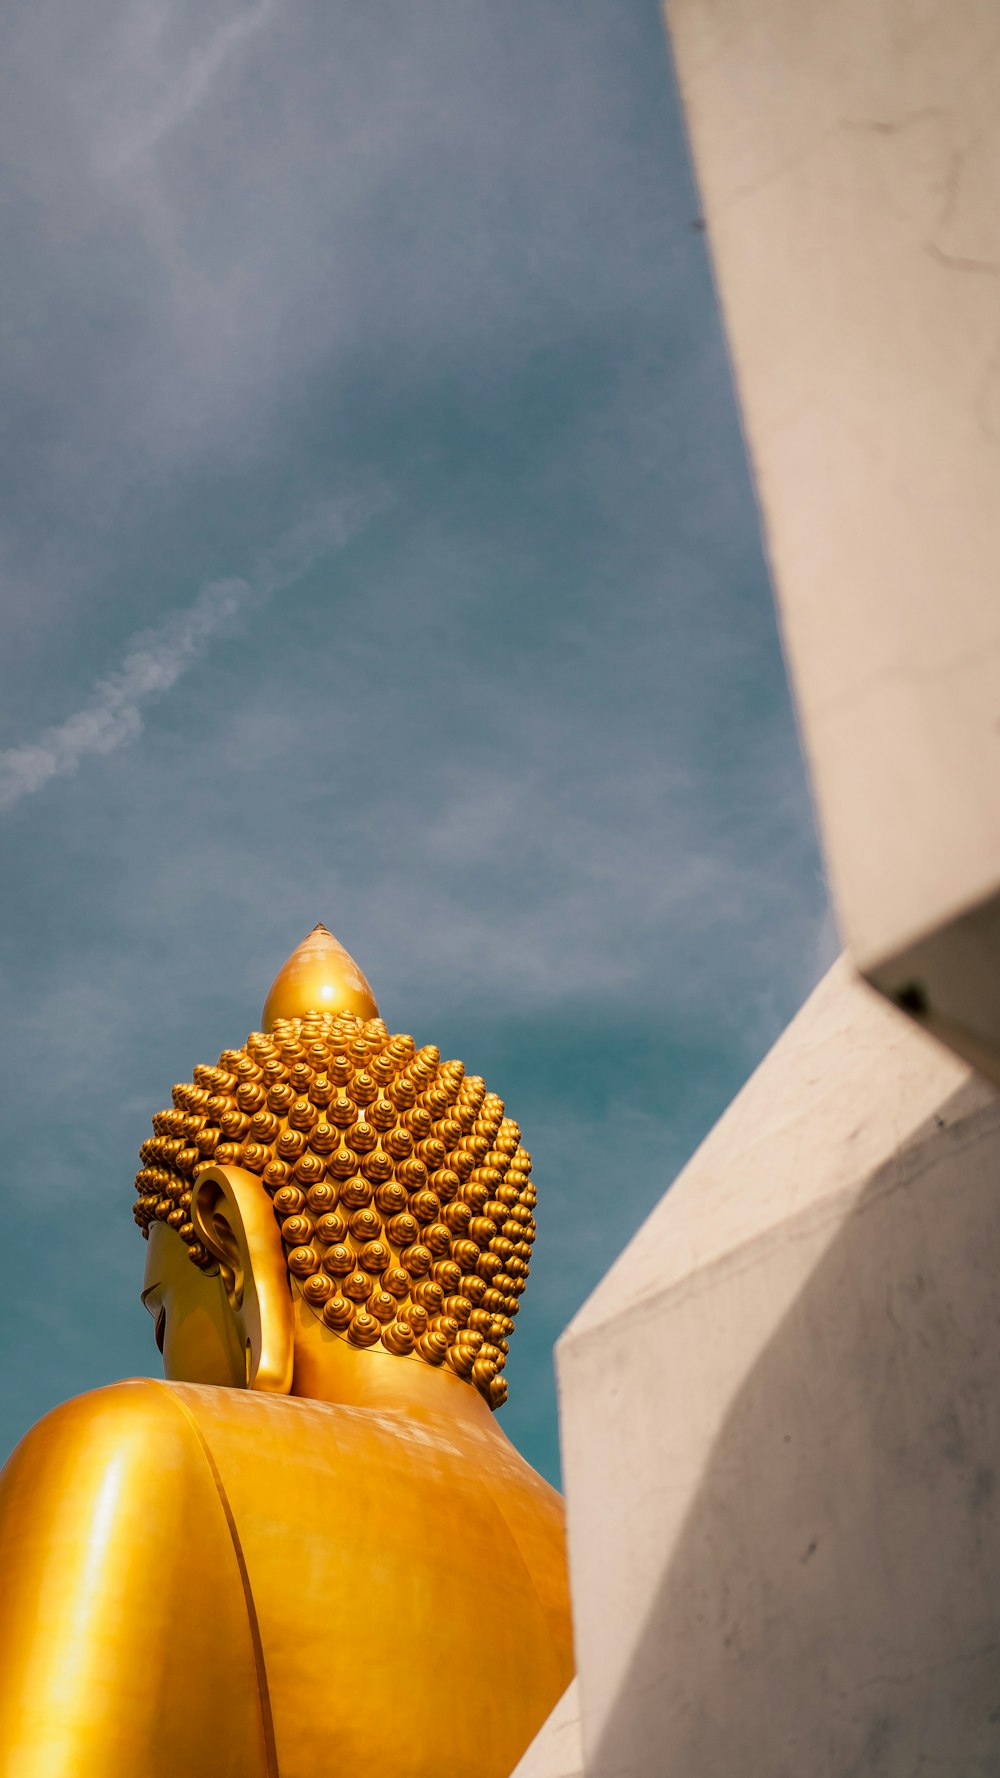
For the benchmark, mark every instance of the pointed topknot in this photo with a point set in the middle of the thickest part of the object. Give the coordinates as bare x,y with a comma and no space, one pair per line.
319,976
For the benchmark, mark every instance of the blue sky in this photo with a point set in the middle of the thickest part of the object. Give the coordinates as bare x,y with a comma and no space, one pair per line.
377,548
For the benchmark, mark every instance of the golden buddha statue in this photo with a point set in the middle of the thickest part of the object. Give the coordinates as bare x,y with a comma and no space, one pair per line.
310,1552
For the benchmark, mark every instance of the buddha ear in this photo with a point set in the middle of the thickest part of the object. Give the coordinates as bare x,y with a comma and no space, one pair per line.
235,1223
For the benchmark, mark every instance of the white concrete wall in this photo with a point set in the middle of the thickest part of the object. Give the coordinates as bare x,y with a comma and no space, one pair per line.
556,1751
781,1429
848,155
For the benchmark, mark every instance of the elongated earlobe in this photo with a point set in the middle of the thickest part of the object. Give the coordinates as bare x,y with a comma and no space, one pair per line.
235,1223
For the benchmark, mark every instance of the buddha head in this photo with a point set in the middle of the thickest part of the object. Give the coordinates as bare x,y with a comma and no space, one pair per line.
328,1175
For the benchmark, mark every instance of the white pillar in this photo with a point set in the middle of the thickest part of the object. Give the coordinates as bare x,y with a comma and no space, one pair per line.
848,155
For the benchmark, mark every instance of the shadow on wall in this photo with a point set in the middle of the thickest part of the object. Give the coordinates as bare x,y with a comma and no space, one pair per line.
832,1605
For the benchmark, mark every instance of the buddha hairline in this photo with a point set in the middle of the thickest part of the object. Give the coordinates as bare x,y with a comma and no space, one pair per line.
404,1196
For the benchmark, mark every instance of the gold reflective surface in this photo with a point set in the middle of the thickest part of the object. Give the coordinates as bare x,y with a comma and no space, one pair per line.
297,1555
319,976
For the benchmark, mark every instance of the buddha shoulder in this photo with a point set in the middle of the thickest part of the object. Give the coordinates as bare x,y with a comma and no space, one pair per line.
115,1548
132,1429
122,1468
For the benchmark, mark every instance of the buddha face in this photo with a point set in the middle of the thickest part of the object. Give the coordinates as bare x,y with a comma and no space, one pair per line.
195,1328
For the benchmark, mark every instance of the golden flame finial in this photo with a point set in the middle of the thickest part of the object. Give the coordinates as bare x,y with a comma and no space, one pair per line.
320,976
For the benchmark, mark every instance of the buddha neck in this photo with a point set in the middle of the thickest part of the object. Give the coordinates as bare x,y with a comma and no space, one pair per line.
328,1368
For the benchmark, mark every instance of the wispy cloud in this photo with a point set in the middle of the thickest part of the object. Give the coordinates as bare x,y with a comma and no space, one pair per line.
190,87
152,664
155,659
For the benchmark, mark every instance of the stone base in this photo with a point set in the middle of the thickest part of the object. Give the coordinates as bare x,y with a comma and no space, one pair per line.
781,1429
